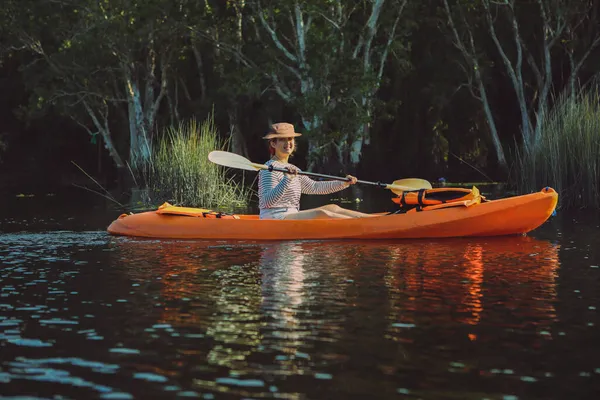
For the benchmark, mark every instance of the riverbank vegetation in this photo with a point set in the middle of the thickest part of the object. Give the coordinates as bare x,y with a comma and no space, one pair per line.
568,154
181,174
380,89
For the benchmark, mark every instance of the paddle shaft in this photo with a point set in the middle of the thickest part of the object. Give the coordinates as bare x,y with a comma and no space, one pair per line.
232,160
337,178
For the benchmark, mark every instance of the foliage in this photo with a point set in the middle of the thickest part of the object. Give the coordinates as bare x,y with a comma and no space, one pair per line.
182,174
123,69
103,64
568,156
325,59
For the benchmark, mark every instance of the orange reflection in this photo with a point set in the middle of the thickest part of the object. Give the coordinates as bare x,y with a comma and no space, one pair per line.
284,297
474,271
457,279
447,275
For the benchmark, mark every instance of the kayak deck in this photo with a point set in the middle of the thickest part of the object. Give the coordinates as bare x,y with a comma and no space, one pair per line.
508,216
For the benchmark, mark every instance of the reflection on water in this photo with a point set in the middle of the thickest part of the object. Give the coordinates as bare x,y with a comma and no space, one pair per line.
84,314
461,278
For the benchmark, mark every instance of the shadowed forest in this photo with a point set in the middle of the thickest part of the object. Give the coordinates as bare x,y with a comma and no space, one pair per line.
383,89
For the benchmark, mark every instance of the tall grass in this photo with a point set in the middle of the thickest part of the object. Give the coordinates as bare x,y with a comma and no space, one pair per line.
182,174
567,156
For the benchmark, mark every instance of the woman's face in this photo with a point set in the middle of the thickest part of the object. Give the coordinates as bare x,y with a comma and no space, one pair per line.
283,146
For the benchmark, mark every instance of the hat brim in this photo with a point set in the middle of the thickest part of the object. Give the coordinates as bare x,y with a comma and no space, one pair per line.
281,135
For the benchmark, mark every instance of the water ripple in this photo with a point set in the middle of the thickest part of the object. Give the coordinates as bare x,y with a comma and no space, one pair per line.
166,318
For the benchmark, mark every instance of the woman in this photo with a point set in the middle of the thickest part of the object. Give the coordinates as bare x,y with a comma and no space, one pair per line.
279,193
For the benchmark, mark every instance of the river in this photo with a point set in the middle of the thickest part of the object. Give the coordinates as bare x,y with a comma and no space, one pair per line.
87,315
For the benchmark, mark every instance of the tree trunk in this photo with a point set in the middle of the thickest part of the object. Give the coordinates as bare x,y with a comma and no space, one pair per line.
238,145
237,140
104,130
362,136
139,146
364,49
313,147
515,72
470,55
200,66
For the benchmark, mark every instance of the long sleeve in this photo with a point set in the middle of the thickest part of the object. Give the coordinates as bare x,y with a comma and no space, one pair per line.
310,186
273,188
276,189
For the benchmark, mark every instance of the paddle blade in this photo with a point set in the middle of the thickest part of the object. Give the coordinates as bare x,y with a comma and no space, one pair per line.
232,160
408,184
415,183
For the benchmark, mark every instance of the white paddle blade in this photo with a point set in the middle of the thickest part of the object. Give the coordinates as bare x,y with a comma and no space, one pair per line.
408,184
416,183
232,160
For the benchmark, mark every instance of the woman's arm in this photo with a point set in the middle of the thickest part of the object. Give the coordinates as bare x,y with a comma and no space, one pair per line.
271,188
310,186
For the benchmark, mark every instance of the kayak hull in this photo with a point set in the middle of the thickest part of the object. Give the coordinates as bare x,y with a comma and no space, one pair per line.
509,216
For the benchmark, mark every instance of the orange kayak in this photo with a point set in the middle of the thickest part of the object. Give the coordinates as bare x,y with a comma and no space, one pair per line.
508,216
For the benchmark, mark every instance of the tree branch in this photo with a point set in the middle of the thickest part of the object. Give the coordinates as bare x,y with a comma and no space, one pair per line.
274,36
300,36
371,28
279,88
391,38
164,67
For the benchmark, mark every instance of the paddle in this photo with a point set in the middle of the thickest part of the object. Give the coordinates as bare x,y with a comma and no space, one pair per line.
232,160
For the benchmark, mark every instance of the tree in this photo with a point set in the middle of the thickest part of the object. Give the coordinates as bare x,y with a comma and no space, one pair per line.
465,43
96,59
217,34
553,28
326,59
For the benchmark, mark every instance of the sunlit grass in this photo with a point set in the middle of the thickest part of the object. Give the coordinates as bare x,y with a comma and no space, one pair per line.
568,155
182,174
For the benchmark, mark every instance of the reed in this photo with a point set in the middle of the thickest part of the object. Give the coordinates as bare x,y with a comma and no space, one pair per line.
567,155
182,174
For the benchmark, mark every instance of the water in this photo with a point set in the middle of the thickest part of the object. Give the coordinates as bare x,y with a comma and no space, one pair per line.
87,315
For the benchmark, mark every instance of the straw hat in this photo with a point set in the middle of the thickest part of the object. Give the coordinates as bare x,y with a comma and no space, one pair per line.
282,130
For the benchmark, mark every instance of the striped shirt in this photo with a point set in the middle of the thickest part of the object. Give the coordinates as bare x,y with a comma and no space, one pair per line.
276,189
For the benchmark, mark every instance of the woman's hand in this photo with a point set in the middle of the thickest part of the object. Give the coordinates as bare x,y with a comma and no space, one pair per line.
293,171
351,180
